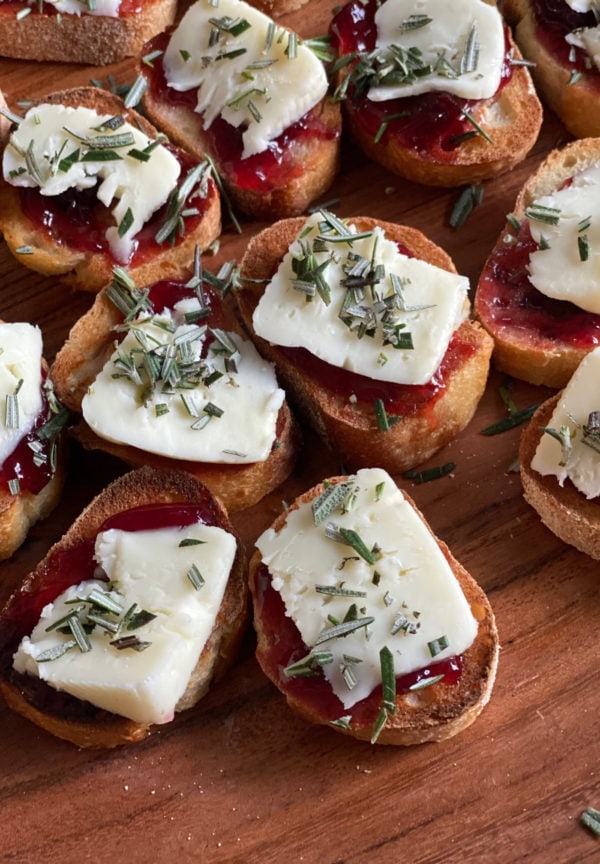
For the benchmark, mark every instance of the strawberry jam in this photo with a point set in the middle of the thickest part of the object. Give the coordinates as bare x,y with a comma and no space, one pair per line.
555,19
506,298
432,123
79,220
275,166
285,646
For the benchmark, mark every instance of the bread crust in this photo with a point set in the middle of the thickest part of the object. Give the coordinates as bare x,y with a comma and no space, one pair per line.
144,486
577,103
511,120
85,270
88,348
436,712
563,509
93,39
529,354
311,164
349,428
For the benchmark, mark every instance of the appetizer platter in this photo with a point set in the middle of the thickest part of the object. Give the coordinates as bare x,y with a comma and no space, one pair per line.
239,777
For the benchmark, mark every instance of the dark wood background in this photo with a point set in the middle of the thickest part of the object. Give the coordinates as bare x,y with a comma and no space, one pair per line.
240,778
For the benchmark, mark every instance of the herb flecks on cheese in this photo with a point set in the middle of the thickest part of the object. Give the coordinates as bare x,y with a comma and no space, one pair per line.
356,302
132,648
57,148
378,580
430,45
246,69
566,226
176,387
570,447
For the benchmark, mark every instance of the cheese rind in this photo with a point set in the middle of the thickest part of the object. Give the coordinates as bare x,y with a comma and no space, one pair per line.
119,409
148,568
20,361
446,35
435,304
581,462
415,582
566,270
249,79
50,134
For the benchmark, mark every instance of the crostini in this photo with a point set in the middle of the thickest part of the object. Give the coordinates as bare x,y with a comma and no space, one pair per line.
538,292
88,184
364,619
230,83
434,91
367,324
163,376
130,616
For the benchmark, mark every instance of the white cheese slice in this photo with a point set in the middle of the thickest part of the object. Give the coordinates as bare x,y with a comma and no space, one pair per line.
415,583
581,5
106,8
580,462
49,134
249,79
148,568
435,301
21,374
443,45
559,271
118,409
588,39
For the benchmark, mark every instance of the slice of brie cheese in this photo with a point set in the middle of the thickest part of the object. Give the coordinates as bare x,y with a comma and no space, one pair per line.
588,39
430,304
148,568
41,153
579,460
415,601
582,5
179,422
245,70
569,268
106,8
458,47
20,383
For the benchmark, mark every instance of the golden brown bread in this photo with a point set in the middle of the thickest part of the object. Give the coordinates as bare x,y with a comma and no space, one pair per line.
563,509
433,713
303,174
89,270
82,724
541,350
510,122
350,428
93,39
575,98
88,347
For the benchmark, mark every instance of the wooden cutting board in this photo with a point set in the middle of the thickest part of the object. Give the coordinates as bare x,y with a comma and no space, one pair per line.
241,779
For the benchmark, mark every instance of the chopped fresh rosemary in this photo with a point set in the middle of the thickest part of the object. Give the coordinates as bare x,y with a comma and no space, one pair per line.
590,818
514,419
309,665
195,577
469,198
388,695
337,591
328,501
436,646
343,629
541,213
426,682
430,473
351,538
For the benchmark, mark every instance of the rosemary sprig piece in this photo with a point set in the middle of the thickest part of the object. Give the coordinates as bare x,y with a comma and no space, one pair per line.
429,474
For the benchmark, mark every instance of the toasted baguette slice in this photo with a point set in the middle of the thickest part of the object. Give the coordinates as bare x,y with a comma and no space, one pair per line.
90,270
509,125
535,338
433,713
64,715
563,509
93,39
569,89
263,186
89,346
350,427
4,122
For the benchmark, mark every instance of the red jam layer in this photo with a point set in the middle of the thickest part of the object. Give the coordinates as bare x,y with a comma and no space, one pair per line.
79,220
20,464
127,7
506,298
285,646
432,123
262,172
67,567
554,20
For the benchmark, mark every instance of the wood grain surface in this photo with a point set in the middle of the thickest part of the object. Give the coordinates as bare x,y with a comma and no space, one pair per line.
241,779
